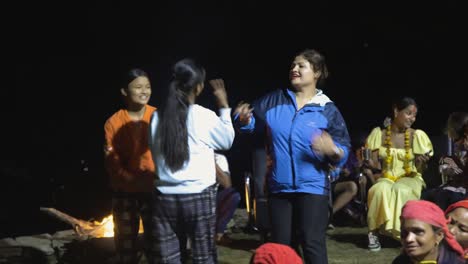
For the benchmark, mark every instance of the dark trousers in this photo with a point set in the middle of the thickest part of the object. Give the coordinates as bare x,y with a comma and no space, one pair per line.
259,168
304,216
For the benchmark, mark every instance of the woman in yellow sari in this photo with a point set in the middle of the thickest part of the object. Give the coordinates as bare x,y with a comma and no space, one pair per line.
399,156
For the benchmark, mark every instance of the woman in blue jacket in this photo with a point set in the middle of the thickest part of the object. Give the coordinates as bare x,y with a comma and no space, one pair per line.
306,134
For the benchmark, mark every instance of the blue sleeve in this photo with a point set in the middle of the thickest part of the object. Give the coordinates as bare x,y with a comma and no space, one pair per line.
338,131
249,128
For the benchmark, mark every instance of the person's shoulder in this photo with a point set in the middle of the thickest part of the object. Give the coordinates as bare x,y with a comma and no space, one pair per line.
323,100
201,110
418,132
151,108
376,129
420,135
115,118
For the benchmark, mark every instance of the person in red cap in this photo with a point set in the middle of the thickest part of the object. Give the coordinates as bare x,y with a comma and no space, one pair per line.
425,236
457,213
273,253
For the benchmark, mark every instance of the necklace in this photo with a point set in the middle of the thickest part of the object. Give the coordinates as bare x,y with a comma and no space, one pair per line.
388,160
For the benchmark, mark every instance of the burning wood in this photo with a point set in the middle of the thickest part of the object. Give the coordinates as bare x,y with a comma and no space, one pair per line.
86,229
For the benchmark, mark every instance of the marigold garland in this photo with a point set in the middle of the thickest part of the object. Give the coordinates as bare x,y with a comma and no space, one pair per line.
388,160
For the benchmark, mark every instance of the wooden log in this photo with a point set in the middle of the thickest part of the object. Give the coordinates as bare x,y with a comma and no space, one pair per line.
84,229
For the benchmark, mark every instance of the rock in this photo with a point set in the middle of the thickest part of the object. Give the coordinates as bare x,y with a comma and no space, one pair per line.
41,242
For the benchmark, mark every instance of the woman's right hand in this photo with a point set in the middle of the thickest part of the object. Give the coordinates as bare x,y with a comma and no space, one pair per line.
245,113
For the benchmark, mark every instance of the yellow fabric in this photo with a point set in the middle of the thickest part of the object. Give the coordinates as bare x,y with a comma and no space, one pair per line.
386,197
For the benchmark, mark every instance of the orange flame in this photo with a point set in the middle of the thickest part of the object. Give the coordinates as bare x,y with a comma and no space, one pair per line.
106,227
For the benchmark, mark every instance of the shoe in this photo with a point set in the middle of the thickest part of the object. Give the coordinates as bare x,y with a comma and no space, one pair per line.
374,244
330,227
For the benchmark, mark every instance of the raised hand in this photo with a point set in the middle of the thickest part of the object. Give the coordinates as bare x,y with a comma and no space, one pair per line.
219,91
245,113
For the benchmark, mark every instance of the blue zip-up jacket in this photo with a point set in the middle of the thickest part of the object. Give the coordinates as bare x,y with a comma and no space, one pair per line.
294,166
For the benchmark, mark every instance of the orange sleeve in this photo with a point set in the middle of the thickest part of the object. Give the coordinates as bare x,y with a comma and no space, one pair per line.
112,160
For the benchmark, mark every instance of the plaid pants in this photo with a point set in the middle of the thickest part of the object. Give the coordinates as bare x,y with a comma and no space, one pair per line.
177,217
127,208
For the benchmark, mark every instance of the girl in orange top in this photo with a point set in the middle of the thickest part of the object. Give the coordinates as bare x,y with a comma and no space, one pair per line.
129,164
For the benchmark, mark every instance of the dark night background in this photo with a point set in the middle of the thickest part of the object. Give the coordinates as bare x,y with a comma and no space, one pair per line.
68,58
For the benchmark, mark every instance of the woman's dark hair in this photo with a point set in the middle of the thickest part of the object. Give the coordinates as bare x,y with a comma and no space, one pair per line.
172,136
398,105
457,123
132,75
317,60
403,103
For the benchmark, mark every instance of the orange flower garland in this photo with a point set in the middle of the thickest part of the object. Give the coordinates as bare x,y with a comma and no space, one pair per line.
388,160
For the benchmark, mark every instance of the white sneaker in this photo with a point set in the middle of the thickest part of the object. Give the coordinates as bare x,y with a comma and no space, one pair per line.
374,244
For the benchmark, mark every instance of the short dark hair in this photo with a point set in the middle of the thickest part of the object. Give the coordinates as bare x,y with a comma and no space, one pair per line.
317,60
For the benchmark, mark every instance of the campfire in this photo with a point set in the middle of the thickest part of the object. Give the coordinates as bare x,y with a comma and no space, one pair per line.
87,229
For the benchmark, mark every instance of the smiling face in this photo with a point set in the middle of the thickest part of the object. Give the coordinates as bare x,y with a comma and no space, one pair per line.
419,239
405,118
302,73
458,225
138,91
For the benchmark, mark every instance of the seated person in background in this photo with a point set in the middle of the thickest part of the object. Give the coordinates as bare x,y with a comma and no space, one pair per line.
355,178
425,236
454,167
401,153
227,198
345,188
457,214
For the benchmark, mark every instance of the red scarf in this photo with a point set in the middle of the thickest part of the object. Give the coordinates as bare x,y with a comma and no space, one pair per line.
462,204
